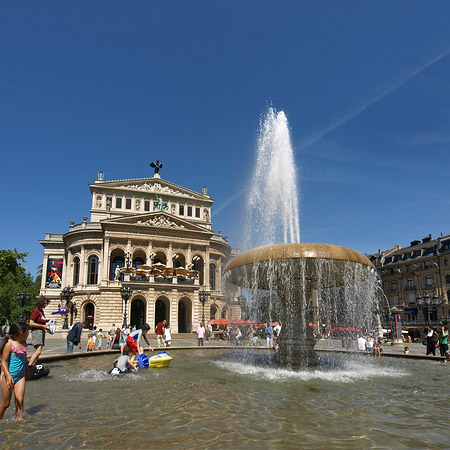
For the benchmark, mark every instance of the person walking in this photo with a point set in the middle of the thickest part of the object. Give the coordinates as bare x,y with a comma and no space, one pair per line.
38,325
200,334
74,336
159,332
167,335
431,340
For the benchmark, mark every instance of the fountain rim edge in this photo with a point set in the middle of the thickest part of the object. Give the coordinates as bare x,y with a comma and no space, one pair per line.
303,250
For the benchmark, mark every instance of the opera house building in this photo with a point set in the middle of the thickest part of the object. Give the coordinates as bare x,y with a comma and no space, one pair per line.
147,254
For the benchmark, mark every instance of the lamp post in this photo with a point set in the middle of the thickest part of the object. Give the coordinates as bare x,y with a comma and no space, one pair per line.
22,298
66,295
426,302
203,295
125,292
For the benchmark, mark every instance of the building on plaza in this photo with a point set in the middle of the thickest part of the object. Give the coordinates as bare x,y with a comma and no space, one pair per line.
416,280
151,235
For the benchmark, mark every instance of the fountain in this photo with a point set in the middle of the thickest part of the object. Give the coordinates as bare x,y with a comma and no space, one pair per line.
308,281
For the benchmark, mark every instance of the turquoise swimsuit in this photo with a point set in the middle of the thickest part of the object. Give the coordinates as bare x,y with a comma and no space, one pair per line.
17,363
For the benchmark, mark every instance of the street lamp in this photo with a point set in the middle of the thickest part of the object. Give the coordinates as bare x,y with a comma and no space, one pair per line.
66,295
427,302
22,298
203,295
125,292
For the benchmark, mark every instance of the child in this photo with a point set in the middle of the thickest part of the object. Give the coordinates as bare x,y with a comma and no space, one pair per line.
14,368
90,343
99,339
167,335
406,351
124,363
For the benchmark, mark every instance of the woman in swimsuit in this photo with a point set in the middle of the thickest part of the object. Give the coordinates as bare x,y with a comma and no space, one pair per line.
14,368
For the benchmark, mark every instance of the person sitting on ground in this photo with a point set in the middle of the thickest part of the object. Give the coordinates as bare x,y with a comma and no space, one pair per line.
124,362
115,340
378,347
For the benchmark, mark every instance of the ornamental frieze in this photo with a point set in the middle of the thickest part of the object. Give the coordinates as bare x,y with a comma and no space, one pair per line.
160,221
157,187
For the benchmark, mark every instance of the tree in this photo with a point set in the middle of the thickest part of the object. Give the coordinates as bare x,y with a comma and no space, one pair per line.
14,279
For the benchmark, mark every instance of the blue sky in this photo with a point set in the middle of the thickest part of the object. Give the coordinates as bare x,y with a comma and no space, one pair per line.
112,86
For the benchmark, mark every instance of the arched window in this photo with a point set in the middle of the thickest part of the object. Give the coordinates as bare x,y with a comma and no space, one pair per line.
92,270
76,271
212,276
138,262
447,279
118,262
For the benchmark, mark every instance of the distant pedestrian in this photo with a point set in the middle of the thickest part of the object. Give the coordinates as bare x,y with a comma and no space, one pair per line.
268,332
167,335
159,332
90,343
111,333
443,341
378,347
431,340
99,341
200,334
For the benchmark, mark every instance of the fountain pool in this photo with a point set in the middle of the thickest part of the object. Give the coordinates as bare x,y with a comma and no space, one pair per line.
214,399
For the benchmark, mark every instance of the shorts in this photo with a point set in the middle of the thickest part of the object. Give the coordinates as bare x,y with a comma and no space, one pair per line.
132,344
38,338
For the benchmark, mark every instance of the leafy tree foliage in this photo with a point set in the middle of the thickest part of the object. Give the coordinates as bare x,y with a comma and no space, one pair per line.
14,279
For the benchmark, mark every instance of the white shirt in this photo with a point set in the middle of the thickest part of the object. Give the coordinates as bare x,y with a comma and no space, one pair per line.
361,343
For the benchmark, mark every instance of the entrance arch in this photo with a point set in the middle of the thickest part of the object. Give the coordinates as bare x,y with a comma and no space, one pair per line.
89,315
161,310
137,316
184,315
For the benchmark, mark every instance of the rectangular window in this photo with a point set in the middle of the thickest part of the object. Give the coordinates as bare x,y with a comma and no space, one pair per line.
410,285
197,212
411,298
429,281
108,202
181,210
189,211
394,286
394,300
128,203
408,268
118,202
147,205
426,264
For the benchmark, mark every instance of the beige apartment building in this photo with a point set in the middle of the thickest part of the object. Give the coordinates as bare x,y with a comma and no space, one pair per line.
416,280
150,235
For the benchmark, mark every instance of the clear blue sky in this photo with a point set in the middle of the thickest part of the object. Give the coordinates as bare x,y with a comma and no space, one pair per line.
112,86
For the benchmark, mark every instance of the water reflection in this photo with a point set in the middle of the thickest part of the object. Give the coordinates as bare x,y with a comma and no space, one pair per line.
209,400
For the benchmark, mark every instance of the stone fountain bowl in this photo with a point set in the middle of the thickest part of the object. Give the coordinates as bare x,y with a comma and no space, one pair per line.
300,260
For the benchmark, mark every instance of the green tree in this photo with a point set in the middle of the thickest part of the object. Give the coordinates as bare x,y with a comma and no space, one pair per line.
13,279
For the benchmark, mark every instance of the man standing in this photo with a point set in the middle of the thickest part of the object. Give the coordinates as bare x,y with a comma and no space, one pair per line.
38,325
111,333
74,336
200,334
269,335
159,331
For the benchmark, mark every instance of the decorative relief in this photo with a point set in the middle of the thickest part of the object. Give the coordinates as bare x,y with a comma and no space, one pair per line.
160,221
157,187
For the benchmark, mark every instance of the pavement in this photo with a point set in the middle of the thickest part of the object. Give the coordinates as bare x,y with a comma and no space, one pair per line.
55,347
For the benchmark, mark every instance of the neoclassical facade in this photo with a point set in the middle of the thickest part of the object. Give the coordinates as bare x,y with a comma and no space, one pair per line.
150,235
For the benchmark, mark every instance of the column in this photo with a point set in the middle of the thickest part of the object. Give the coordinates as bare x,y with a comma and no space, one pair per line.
206,268
83,267
105,259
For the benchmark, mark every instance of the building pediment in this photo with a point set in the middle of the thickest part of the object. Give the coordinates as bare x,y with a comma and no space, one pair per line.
150,185
157,219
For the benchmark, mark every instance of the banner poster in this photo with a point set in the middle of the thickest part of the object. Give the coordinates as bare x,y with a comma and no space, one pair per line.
54,273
